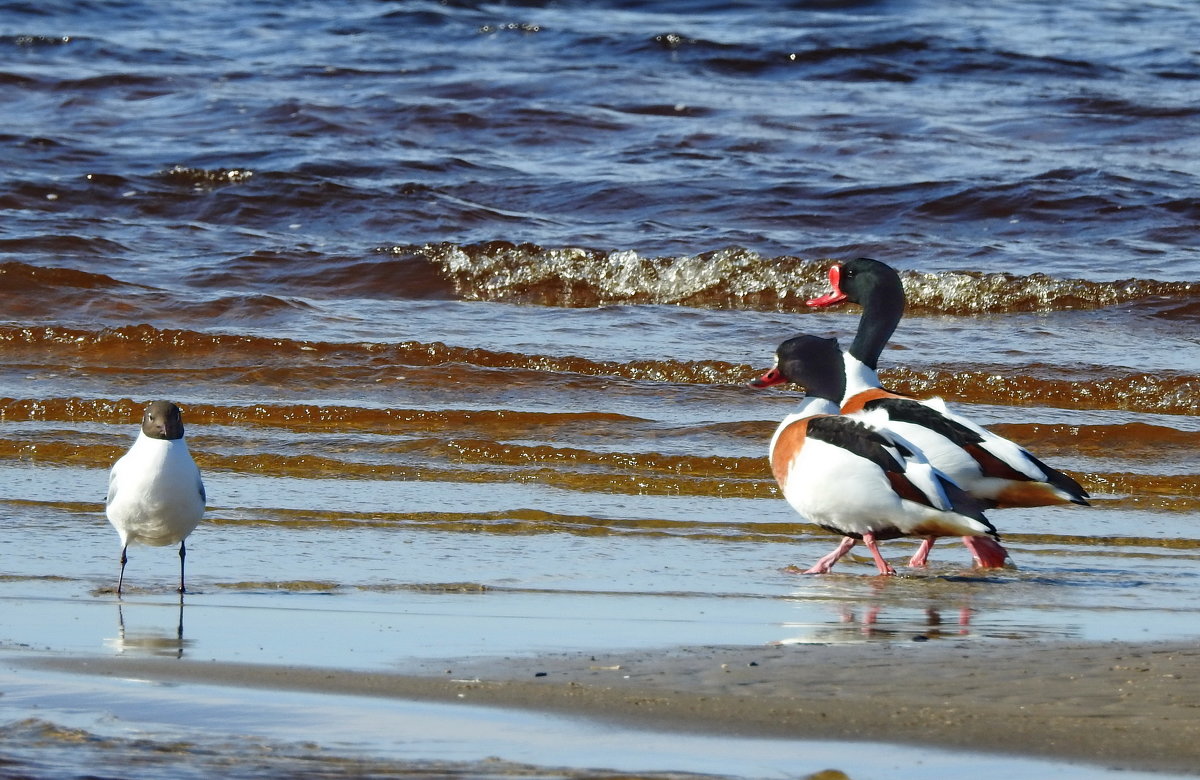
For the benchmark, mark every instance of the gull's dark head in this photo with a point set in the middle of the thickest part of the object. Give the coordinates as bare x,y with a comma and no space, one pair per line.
163,420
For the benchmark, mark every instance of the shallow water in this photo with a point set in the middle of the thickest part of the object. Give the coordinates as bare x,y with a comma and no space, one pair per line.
460,299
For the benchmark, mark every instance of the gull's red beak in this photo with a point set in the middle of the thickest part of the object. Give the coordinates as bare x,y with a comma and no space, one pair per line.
772,377
837,296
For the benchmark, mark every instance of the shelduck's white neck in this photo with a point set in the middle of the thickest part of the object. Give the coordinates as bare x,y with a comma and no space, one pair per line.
809,407
858,377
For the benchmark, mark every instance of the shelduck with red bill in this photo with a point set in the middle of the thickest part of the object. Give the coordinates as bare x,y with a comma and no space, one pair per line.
849,475
989,467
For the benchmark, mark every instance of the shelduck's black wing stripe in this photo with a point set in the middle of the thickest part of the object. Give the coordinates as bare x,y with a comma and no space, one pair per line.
855,437
1062,482
917,413
964,503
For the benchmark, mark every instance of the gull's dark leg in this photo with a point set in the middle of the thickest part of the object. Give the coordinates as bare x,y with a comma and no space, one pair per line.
182,555
121,578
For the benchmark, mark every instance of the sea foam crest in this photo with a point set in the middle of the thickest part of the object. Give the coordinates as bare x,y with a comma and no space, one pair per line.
961,292
573,276
738,278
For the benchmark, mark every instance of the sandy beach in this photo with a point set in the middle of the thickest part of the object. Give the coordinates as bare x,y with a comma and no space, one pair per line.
1117,705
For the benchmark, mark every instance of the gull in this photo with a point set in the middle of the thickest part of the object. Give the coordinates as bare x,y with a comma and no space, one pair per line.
155,494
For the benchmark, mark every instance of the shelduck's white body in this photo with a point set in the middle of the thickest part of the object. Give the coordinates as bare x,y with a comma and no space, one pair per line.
851,475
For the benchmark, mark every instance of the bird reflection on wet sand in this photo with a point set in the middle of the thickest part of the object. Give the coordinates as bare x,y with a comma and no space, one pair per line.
857,623
162,642
935,607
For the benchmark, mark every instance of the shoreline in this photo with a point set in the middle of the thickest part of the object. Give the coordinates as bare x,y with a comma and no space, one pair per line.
1121,705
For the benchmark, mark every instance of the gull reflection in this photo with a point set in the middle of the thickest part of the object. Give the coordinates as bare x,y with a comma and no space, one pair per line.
149,640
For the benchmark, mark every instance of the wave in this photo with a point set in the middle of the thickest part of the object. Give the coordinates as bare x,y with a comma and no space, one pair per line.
578,277
80,295
28,279
408,276
494,446
141,347
1137,441
575,277
523,521
888,56
205,178
452,460
1132,441
740,278
35,41
1162,393
299,416
134,345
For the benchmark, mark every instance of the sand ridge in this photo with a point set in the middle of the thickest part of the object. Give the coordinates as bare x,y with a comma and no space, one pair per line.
1116,704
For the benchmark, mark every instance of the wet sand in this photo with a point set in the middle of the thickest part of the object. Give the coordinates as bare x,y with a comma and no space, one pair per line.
1123,705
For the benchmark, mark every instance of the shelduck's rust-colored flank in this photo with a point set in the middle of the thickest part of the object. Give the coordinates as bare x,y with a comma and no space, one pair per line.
787,444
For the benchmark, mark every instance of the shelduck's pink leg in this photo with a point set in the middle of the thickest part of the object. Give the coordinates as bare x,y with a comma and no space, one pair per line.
880,563
921,556
987,552
825,564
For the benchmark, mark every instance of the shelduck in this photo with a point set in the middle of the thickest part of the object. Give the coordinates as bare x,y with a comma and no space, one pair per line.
988,466
851,476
